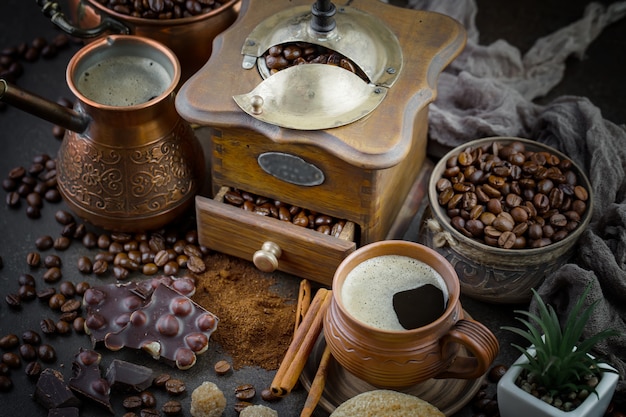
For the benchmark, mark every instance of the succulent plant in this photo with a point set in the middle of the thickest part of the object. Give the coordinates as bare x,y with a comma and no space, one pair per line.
562,359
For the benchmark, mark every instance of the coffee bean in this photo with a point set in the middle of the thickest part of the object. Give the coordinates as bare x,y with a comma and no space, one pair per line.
161,379
63,217
105,256
52,275
132,402
27,352
44,242
120,272
52,261
170,268
70,305
32,369
147,399
196,265
149,412
69,316
12,360
172,408
161,258
34,199
245,392
63,327
62,243
31,337
240,405
56,301
103,241
84,265
13,199
47,326
26,279
116,247
9,341
150,269
68,230
24,189
121,237
100,267
268,395
90,240
45,294
13,300
52,196
33,212
222,367
175,386
80,231
81,287
79,325
46,353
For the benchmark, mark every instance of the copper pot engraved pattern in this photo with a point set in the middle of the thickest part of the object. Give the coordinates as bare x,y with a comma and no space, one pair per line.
152,177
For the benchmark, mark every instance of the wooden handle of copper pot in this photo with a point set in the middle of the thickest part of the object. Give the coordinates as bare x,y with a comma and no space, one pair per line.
479,341
266,258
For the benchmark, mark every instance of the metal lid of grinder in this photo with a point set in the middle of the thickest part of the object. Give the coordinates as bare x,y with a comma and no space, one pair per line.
321,96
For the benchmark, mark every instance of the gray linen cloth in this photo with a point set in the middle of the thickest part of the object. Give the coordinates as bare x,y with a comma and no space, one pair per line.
489,91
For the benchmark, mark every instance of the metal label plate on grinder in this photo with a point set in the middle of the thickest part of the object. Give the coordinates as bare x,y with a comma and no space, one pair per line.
291,169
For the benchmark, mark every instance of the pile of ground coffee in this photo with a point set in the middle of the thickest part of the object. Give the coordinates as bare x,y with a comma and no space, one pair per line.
255,322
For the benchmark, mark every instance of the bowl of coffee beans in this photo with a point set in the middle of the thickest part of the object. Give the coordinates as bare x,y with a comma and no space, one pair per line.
506,212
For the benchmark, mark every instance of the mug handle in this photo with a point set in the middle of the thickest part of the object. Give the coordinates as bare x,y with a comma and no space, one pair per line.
478,340
52,10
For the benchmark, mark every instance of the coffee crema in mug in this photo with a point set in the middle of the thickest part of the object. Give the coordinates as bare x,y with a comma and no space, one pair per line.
394,292
124,81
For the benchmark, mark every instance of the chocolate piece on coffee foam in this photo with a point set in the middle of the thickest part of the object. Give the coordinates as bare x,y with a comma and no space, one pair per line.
87,378
171,327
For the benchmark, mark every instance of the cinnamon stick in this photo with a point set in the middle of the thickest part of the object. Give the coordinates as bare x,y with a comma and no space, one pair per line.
303,341
304,301
318,384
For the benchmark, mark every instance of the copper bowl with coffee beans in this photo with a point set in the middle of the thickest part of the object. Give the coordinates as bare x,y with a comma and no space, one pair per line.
187,27
506,212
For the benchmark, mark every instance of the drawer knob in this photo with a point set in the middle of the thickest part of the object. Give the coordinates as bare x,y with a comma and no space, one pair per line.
266,258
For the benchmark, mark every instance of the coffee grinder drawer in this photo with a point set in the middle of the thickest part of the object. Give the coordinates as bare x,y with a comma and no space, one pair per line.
270,243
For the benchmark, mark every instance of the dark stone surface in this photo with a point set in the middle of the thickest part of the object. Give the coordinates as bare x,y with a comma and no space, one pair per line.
599,77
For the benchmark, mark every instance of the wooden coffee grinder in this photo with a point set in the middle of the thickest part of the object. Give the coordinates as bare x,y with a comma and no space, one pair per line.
347,140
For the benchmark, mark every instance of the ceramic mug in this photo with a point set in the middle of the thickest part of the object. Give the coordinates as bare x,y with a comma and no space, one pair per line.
402,350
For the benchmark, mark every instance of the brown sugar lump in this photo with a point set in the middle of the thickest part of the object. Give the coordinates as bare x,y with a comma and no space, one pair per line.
258,411
207,400
386,403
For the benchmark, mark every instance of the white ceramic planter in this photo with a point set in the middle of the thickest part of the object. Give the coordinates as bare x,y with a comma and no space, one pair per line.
515,402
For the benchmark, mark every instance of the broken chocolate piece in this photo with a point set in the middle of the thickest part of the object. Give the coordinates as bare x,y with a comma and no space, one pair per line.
170,327
64,412
109,308
126,376
52,391
87,379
